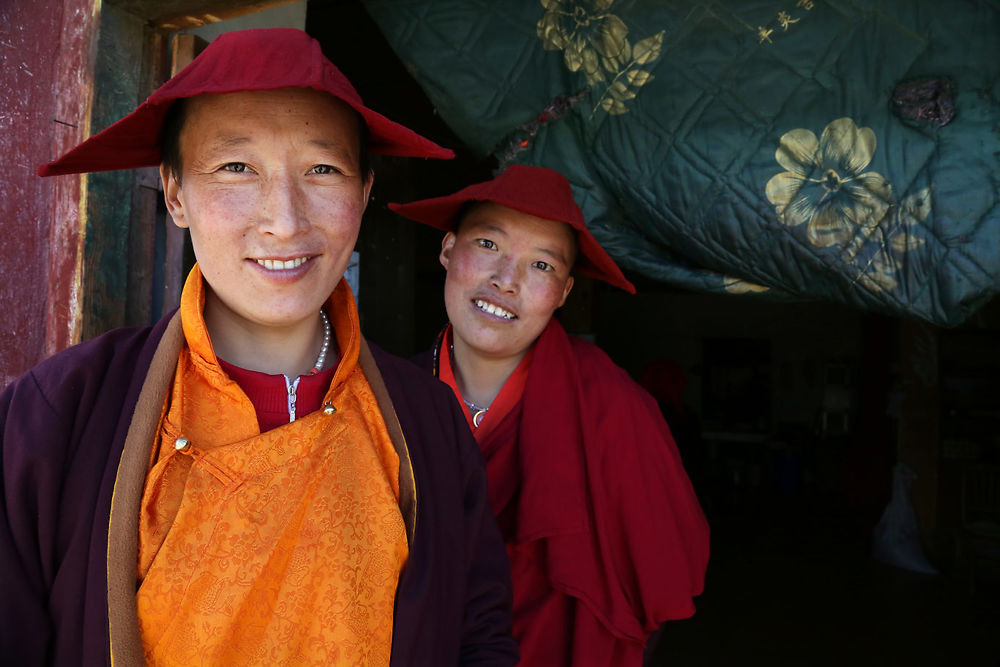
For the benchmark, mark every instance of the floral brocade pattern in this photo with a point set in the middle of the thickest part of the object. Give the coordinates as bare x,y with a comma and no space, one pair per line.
281,548
595,41
843,207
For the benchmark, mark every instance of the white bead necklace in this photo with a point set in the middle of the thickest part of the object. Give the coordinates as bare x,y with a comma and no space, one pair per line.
321,359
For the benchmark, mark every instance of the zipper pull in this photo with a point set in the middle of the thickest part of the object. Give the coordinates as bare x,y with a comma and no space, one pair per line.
291,387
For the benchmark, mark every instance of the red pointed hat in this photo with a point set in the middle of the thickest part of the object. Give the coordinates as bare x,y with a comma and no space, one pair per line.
537,191
263,59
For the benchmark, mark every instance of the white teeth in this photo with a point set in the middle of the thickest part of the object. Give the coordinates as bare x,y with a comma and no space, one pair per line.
279,265
493,310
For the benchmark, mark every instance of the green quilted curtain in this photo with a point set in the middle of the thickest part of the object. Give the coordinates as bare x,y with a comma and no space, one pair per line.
844,151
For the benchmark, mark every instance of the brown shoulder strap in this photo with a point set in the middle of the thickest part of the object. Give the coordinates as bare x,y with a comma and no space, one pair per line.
407,481
123,531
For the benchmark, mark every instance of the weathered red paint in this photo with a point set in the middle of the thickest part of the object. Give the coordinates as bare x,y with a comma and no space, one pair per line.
46,70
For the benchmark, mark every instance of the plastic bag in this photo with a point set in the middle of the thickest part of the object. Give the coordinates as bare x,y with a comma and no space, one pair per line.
896,539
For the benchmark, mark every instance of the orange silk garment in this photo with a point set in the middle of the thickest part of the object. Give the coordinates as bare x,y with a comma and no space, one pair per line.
281,548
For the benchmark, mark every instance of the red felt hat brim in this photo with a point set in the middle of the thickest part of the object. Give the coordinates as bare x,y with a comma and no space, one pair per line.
537,191
264,59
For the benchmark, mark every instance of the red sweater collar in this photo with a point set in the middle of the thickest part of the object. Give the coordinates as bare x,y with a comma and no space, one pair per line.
510,394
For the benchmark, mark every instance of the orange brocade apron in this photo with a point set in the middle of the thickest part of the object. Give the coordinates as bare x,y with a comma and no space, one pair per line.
281,548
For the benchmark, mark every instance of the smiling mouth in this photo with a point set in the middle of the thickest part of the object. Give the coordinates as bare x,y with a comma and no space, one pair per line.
282,265
488,307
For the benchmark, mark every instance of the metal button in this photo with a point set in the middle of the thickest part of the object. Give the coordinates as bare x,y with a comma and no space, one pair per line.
182,444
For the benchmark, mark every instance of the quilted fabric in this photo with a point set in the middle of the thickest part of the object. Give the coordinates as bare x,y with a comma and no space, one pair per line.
834,150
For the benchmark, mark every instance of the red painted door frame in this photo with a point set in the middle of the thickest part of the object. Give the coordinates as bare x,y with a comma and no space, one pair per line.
46,110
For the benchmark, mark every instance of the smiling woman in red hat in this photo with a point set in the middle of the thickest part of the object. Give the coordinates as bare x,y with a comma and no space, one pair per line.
247,482
605,537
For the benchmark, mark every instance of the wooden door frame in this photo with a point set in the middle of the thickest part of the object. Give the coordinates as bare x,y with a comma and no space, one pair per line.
103,236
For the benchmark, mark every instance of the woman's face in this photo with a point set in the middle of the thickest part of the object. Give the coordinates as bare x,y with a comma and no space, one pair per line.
508,272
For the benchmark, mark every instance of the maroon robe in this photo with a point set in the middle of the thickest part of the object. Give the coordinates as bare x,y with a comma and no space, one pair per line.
604,533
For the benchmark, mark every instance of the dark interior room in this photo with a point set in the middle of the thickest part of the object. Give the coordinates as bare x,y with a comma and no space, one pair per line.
792,419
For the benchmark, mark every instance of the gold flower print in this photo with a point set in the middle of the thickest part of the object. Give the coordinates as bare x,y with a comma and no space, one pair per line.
826,186
735,285
581,31
897,238
827,189
595,41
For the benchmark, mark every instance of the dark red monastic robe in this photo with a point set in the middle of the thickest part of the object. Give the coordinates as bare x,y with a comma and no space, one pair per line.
604,533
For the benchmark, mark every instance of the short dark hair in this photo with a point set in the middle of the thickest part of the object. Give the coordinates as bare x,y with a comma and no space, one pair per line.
173,123
170,137
462,212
